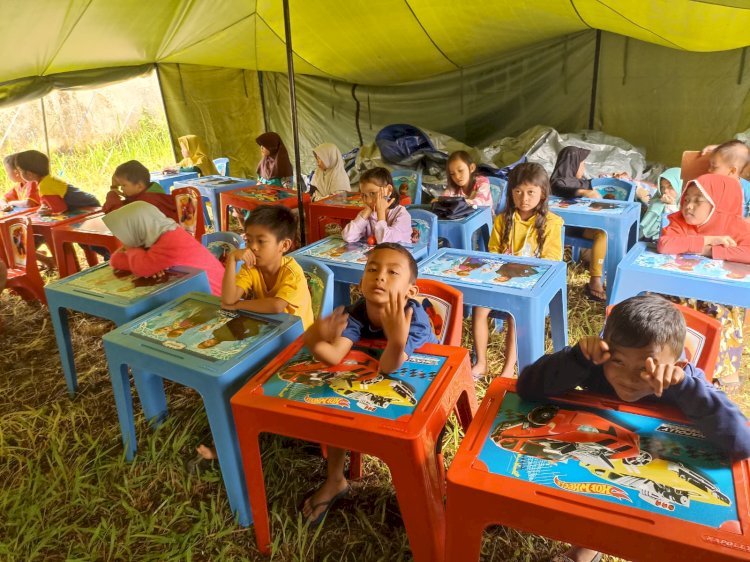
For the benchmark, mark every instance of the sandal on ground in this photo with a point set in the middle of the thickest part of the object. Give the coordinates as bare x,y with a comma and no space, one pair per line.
204,460
566,558
589,294
328,505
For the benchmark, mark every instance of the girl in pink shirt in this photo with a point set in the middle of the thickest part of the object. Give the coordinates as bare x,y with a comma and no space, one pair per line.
153,243
382,219
463,181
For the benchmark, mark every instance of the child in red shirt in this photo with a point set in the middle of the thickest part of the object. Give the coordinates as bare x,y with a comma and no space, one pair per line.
132,182
23,193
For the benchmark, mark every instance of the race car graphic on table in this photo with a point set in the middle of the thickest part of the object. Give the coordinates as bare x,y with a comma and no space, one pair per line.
626,458
355,384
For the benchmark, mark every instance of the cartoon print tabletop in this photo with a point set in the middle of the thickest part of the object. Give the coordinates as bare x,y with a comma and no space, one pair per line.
355,384
613,192
104,280
335,249
405,184
624,458
213,181
39,218
559,204
95,225
345,199
204,330
266,195
695,266
13,211
485,271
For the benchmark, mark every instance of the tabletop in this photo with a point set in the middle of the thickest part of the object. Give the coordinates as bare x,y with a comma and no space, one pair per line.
333,249
43,219
583,205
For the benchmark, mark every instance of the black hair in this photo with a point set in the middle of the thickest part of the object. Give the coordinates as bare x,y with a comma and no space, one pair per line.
404,252
379,176
280,220
646,320
533,174
134,172
33,161
10,161
466,158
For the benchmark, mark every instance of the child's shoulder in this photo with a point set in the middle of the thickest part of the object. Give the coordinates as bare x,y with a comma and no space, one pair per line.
290,266
553,219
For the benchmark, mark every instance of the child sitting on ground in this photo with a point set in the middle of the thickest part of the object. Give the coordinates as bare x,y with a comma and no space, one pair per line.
665,201
194,157
463,181
23,193
275,168
268,281
56,195
153,243
132,182
710,223
386,311
638,356
567,181
330,176
526,228
382,219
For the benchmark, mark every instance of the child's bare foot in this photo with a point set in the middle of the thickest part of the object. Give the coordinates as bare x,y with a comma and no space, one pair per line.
479,370
208,453
578,554
317,505
509,370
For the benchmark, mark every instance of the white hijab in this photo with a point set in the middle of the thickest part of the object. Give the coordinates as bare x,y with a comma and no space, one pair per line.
334,178
138,224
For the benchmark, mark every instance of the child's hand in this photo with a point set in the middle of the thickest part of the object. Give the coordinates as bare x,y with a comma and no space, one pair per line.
331,327
244,255
396,322
226,306
668,198
643,194
595,350
590,193
381,204
661,377
726,241
158,274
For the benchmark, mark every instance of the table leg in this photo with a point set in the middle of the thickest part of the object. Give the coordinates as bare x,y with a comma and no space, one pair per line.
617,247
65,346
206,215
463,541
65,257
256,487
224,217
529,334
558,318
124,401
150,388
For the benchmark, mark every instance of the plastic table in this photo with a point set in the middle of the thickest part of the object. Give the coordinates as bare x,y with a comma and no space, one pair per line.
167,180
345,206
619,219
209,188
396,417
119,297
523,287
347,261
685,275
636,482
193,342
248,198
42,223
89,232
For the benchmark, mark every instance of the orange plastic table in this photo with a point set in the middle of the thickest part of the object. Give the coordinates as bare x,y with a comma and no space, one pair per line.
42,223
248,198
635,482
345,205
89,232
396,417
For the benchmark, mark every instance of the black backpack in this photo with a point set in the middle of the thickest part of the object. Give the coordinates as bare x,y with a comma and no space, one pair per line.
451,208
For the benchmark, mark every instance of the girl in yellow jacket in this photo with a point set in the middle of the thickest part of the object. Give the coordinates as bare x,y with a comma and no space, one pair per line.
525,228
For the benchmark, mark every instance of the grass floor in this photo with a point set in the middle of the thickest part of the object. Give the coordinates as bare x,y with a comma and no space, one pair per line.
66,492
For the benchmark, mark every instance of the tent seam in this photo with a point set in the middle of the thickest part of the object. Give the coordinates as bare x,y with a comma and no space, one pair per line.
640,26
439,50
580,17
65,39
720,5
175,27
202,39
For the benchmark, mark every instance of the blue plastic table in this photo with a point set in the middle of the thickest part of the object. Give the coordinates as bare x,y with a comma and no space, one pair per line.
685,275
210,187
347,261
619,219
120,298
193,342
167,180
460,232
523,287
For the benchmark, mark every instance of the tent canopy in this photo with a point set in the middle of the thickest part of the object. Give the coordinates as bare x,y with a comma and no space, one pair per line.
361,41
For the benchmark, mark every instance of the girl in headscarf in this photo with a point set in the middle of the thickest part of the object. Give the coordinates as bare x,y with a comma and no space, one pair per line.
567,181
710,223
330,177
153,243
275,167
195,156
664,202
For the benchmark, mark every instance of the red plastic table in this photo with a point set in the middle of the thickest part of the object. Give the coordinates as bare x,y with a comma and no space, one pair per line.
396,417
248,198
42,223
345,206
636,482
89,232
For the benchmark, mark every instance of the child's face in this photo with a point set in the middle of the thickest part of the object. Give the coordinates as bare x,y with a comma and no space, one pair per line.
581,170
26,175
460,172
526,198
369,192
386,271
128,187
184,150
267,249
13,174
623,370
695,207
720,166
264,151
668,193
321,164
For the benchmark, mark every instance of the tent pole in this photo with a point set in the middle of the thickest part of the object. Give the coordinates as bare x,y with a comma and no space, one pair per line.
166,113
595,78
44,123
295,126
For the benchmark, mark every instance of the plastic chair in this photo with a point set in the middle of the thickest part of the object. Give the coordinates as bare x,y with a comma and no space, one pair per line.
702,339
320,282
189,205
446,303
424,226
222,165
221,243
408,183
20,255
498,189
